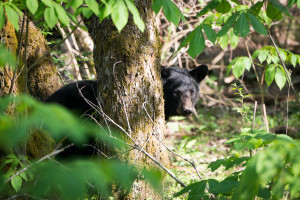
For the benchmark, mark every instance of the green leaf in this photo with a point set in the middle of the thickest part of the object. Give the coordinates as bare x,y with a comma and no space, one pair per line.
12,16
224,41
280,7
293,58
238,68
48,2
210,33
255,54
242,26
223,7
50,17
16,183
2,16
198,191
256,8
61,13
197,43
233,39
76,3
227,25
215,165
186,40
93,5
280,77
256,24
270,74
210,6
262,56
188,188
120,15
6,57
136,16
247,62
282,54
32,5
156,6
171,12
273,13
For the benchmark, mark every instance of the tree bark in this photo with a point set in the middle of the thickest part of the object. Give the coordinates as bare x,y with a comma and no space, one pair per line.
130,87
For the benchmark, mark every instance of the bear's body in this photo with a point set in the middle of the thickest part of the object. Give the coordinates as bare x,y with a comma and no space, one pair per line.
181,89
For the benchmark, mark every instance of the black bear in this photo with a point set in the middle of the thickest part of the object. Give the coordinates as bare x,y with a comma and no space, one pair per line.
181,89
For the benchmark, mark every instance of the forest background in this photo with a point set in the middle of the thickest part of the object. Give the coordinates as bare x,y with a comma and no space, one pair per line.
228,150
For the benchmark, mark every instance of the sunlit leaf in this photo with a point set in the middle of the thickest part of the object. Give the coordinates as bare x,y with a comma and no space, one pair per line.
12,16
120,15
16,183
273,13
224,41
32,5
270,74
136,16
280,77
2,16
227,25
61,13
93,5
50,17
210,33
233,39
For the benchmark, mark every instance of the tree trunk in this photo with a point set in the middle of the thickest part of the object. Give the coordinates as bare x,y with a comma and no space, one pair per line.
40,81
130,88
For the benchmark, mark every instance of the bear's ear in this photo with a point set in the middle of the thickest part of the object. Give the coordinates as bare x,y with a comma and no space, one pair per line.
165,72
199,73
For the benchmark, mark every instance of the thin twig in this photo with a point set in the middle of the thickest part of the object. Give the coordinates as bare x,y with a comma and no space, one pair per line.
285,69
55,152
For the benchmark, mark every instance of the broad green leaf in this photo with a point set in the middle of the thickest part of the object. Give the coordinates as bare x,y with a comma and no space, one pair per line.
275,59
233,39
6,57
12,16
186,40
282,54
247,62
210,6
156,6
32,5
293,58
136,16
188,188
16,183
224,41
210,33
273,13
256,24
87,13
197,43
93,5
107,9
242,26
270,74
256,53
223,7
171,12
198,191
76,3
49,2
280,7
120,15
216,164
280,77
24,176
256,8
262,56
238,68
227,25
298,3
61,13
2,16
50,17
225,186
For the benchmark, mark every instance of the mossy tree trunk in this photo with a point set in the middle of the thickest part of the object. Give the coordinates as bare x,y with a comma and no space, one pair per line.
40,81
128,71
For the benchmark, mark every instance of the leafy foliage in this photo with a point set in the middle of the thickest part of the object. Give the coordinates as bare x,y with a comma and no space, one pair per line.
42,177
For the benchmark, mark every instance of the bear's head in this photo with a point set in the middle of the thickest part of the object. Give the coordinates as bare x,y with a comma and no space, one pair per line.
181,89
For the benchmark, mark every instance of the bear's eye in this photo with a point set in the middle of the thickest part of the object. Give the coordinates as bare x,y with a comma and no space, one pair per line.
176,92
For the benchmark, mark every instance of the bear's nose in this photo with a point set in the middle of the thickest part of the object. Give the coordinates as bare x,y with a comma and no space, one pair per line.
187,111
